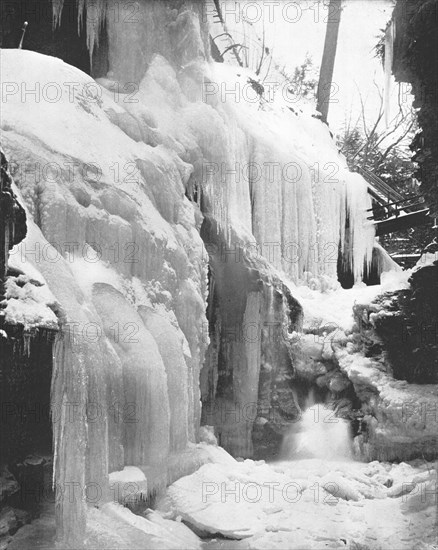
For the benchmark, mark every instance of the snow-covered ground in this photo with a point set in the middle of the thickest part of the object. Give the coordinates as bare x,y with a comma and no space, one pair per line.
334,307
312,503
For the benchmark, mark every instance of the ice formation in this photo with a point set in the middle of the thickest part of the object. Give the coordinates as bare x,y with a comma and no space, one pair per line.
116,213
273,176
281,180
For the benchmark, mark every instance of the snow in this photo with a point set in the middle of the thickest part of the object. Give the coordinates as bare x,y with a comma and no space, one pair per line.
426,259
275,505
29,301
129,485
161,533
129,474
79,112
333,309
29,305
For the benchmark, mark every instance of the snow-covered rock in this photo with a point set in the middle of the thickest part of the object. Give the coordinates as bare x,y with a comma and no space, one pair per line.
401,422
116,526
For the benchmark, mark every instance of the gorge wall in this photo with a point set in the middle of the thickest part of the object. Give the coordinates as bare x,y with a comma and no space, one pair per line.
415,62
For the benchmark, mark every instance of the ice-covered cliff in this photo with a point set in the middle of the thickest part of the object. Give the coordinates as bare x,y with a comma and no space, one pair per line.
161,216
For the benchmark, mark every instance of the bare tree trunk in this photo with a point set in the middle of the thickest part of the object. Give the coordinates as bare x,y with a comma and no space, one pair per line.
328,58
222,20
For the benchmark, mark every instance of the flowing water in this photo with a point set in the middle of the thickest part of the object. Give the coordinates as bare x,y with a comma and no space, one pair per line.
319,433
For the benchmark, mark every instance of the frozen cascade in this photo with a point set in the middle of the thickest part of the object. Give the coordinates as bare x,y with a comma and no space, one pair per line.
275,175
318,434
270,178
280,179
271,184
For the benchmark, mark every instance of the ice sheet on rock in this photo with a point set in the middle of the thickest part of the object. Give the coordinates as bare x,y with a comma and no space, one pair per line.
267,175
385,263
273,176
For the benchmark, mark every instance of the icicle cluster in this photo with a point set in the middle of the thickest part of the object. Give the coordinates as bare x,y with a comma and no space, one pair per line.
277,179
95,13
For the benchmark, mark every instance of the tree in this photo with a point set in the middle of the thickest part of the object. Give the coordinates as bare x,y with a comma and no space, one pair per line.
385,152
247,47
328,58
303,81
368,144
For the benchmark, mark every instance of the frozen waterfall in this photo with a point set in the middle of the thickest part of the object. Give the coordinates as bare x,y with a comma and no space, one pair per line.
181,220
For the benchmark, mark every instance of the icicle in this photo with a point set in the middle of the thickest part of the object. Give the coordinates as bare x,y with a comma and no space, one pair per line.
389,58
57,6
27,338
361,231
